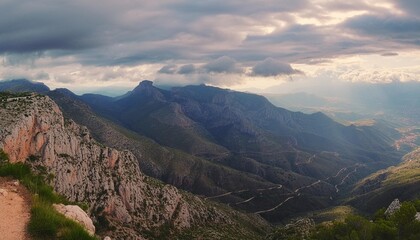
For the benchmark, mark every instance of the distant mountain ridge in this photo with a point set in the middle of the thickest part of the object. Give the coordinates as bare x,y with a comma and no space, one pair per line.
351,101
23,85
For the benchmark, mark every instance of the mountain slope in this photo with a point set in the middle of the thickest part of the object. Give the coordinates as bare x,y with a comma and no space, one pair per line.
122,201
245,132
173,166
401,181
22,85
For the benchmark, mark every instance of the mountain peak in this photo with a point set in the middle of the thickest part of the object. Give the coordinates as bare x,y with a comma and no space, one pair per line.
145,89
146,83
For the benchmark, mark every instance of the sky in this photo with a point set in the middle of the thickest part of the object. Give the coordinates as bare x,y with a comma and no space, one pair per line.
253,45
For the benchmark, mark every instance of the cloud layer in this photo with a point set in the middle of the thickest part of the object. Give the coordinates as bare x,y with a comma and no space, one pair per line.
60,41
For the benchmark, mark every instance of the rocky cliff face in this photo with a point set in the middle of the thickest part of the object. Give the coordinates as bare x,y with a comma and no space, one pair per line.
120,197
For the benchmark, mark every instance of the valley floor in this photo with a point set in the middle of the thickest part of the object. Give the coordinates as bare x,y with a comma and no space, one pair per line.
14,210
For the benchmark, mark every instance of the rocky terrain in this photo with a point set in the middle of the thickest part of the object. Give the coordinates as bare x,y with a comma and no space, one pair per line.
123,202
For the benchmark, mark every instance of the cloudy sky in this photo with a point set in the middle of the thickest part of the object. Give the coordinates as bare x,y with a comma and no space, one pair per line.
240,44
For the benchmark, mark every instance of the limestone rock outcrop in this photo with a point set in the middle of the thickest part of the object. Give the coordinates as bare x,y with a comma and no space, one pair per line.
77,214
393,207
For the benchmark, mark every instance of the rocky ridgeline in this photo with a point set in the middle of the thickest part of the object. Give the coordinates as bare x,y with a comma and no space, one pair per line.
125,203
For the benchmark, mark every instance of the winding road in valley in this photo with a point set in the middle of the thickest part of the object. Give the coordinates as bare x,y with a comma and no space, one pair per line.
347,176
245,190
356,166
296,192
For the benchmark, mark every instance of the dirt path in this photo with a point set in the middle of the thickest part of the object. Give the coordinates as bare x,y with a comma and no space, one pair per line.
14,211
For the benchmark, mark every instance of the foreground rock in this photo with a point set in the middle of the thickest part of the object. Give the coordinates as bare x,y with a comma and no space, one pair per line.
77,214
125,203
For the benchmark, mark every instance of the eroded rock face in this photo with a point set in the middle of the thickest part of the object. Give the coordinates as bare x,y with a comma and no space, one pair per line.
33,130
393,207
77,214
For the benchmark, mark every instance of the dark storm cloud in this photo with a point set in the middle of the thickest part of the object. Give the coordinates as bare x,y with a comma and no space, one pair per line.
409,6
187,69
271,68
168,69
303,44
236,7
145,56
212,36
222,65
387,27
28,26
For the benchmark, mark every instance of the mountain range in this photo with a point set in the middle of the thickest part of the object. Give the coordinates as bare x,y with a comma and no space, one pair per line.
236,148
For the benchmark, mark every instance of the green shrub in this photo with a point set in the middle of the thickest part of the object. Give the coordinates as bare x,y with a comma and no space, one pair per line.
17,170
3,157
44,221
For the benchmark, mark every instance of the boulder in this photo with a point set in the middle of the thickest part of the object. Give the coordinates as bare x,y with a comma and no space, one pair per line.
77,214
